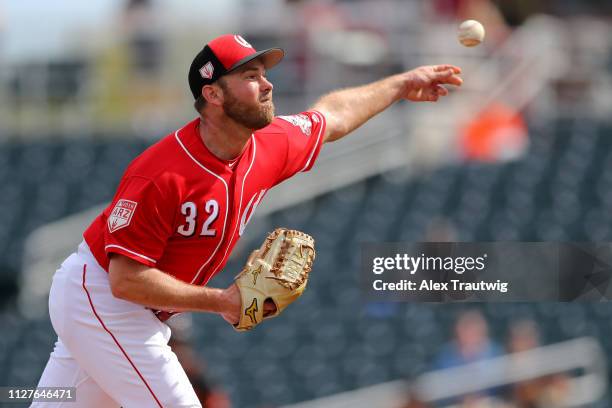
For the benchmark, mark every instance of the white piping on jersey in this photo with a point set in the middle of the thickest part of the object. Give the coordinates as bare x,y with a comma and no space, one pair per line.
226,204
239,205
131,252
244,220
323,125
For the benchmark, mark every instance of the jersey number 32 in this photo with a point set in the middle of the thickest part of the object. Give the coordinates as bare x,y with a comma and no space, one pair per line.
190,211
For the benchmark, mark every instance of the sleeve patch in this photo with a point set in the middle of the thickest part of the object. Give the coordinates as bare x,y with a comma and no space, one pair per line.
302,121
121,215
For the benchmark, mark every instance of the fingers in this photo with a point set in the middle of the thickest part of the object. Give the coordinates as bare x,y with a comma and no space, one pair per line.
426,83
446,74
269,307
442,68
441,91
447,77
434,93
429,94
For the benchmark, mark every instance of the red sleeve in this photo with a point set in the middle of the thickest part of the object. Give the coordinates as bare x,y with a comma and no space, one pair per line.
139,221
304,138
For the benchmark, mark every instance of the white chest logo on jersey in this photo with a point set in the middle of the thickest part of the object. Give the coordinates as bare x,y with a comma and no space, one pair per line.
121,215
250,210
301,121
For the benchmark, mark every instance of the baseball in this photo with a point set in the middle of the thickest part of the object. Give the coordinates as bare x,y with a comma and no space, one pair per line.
471,33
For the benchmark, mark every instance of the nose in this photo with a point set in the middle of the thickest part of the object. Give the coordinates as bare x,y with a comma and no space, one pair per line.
266,86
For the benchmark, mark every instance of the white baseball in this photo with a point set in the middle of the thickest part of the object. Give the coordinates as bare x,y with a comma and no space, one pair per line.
470,33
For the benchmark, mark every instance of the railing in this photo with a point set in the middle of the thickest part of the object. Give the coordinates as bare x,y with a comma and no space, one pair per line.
581,359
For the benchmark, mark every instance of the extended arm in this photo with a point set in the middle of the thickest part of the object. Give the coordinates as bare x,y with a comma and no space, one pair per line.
347,109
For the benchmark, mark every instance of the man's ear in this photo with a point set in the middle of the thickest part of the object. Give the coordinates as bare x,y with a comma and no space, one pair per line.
213,94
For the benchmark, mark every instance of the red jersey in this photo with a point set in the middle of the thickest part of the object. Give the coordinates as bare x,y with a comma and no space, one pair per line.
181,209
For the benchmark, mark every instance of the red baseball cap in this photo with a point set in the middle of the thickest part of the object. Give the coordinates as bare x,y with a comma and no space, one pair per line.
223,55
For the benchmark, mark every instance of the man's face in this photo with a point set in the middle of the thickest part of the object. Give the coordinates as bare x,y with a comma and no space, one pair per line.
247,96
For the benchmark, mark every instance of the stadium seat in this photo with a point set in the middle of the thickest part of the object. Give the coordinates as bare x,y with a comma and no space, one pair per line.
332,340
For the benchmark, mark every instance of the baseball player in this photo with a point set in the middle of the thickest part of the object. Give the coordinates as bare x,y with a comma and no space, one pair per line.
178,211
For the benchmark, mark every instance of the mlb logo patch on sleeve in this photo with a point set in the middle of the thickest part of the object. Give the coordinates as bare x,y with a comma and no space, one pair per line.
121,215
301,121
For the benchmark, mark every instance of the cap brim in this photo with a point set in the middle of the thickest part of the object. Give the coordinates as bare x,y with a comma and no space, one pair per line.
269,57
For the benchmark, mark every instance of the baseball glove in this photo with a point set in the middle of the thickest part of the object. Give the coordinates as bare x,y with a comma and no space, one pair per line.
278,271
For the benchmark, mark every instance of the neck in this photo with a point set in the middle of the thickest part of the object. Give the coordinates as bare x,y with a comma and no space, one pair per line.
225,139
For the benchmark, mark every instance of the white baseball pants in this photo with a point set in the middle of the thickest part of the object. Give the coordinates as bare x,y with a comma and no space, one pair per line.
114,352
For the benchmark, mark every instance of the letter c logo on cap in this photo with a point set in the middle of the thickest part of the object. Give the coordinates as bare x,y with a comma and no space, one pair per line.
242,41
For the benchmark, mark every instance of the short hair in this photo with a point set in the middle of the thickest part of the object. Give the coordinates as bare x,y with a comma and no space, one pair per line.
200,102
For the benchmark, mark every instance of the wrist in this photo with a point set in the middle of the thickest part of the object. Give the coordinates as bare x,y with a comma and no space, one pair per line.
397,83
214,300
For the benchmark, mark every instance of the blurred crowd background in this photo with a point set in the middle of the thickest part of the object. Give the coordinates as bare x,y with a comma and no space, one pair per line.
523,152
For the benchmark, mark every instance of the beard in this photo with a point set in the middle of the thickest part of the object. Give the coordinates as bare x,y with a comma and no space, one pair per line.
251,116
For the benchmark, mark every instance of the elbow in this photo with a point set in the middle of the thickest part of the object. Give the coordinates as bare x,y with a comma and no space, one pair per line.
337,119
124,276
118,284
121,278
335,128
336,133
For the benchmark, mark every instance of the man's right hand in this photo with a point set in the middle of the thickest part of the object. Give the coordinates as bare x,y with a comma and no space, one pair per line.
424,84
